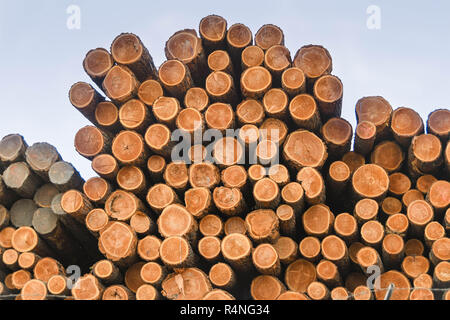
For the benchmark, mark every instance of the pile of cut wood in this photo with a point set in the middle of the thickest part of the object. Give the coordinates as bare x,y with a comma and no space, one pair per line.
228,173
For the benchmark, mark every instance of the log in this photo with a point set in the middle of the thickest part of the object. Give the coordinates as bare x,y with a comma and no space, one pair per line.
315,61
176,252
12,149
433,231
186,46
318,291
190,122
424,183
366,210
44,195
425,155
354,161
10,258
158,139
122,205
107,272
406,124
220,60
97,63
424,281
20,278
87,287
393,250
28,260
310,249
196,98
252,56
118,292
438,252
421,294
96,221
337,180
147,292
339,294
135,115
142,224
287,250
255,82
256,172
413,267
414,247
438,197
293,81
46,268
390,206
266,288
269,35
175,78
346,227
293,195
275,103
274,130
40,157
305,113
328,273
313,184
235,177
337,134
153,273
239,37
107,117
211,226
85,99
105,166
263,226
266,260
368,257
250,111
228,152
4,217
411,196
370,181
6,235
437,124
19,178
366,133
220,116
335,250
235,225
156,166
266,194
377,111
299,275
199,202
21,213
97,190
397,224
213,31
132,179
420,213
128,50
328,91
133,279
175,220
91,141
277,60
161,196
287,217
440,275
372,233
399,184
295,150
236,250
64,176
186,284
7,198
149,91
148,248
76,205
176,176
120,84
166,111
209,249
279,174
362,293
129,148
34,290
318,221
222,276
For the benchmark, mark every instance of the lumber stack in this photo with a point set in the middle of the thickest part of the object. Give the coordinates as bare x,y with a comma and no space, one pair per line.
283,200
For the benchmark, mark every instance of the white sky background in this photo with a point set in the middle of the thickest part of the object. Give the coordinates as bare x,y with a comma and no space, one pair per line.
406,61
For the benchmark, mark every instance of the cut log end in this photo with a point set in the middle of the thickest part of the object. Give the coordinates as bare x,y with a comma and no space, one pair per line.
269,35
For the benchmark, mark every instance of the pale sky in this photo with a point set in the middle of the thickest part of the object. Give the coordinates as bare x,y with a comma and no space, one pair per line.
406,61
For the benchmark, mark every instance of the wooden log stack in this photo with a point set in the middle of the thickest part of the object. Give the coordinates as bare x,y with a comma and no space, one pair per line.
286,207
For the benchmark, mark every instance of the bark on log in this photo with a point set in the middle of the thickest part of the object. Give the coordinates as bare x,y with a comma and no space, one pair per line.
406,123
277,60
269,35
196,98
438,124
105,166
377,111
19,178
213,31
120,84
91,141
175,78
64,176
329,91
97,63
315,61
255,82
85,99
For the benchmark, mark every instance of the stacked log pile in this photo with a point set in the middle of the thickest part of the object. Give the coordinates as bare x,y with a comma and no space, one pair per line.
296,204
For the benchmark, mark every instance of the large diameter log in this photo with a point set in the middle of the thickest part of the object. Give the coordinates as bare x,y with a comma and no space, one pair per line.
120,84
186,284
255,82
366,210
305,113
425,155
329,91
338,134
263,226
335,250
127,49
401,284
277,59
97,63
304,149
34,290
190,121
211,226
128,148
186,46
213,31
76,204
90,141
299,275
370,181
220,87
175,78
266,288
274,130
293,195
19,178
438,124
118,243
64,176
315,61
406,124
252,56
236,250
21,213
229,201
318,221
12,149
199,202
85,99
25,239
175,220
239,37
228,152
399,185
268,36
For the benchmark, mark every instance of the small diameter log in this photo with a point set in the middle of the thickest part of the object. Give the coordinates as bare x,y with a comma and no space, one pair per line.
338,178
366,210
406,124
397,224
148,248
339,294
414,266
372,233
354,161
346,227
318,291
313,184
213,31
328,273
370,181
57,286
438,197
337,134
87,287
21,213
420,213
299,275
175,220
255,82
236,250
235,225
211,226
176,252
424,281
10,258
76,204
175,78
293,81
291,295
142,224
97,63
335,250
85,99
295,150
287,217
229,201
91,141
105,166
27,260
147,292
120,84
269,35
150,91
266,194
166,111
275,103
310,249
20,278
46,268
375,110
329,91
220,116
34,290
25,239
239,37
219,60
64,176
425,155
441,275
209,249
187,284
12,149
135,115
129,148
153,273
158,139
122,205
266,288
133,279
362,293
274,130
447,220
235,177
118,292
6,235
220,87
267,153
266,260
96,221
424,183
196,98
318,221
293,195
128,50
393,250
411,196
222,276
97,190
447,158
199,202
252,56
132,179
118,243
391,206
161,196
422,294
353,250
277,60
256,172
315,61
439,251
156,166
107,116
399,184
176,176
366,133
438,124
228,152
263,226
19,178
367,258
433,231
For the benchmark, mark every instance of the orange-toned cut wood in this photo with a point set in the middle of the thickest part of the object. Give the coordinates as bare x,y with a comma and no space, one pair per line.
105,166
97,190
293,81
235,225
406,123
176,252
315,61
219,295
414,266
120,84
228,152
424,281
133,279
277,59
338,177
425,155
346,227
252,56
298,150
329,91
87,287
255,82
236,250
250,111
166,111
175,78
410,196
372,233
313,184
299,275
149,91
424,183
288,220
128,148
27,260
209,249
222,276
310,249
370,181
147,292
122,205
388,155
354,160
34,290
199,202
414,247
187,284
135,115
335,250
220,88
377,111
10,258
107,116
339,294
6,235
132,179
420,213
204,175
266,287
97,63
156,166
421,294
85,99
337,134
46,268
175,220
142,224
161,196
269,35
148,248
25,239
441,275
317,221
153,273
366,133
367,258
229,201
433,231
399,184
96,220
266,194
328,273
439,196
263,226
213,31
275,103
391,206
318,291
266,260
287,250
440,251
220,116
274,130
239,37
366,210
293,195
158,139
393,250
57,286
362,293
107,272
176,176
117,292
438,124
